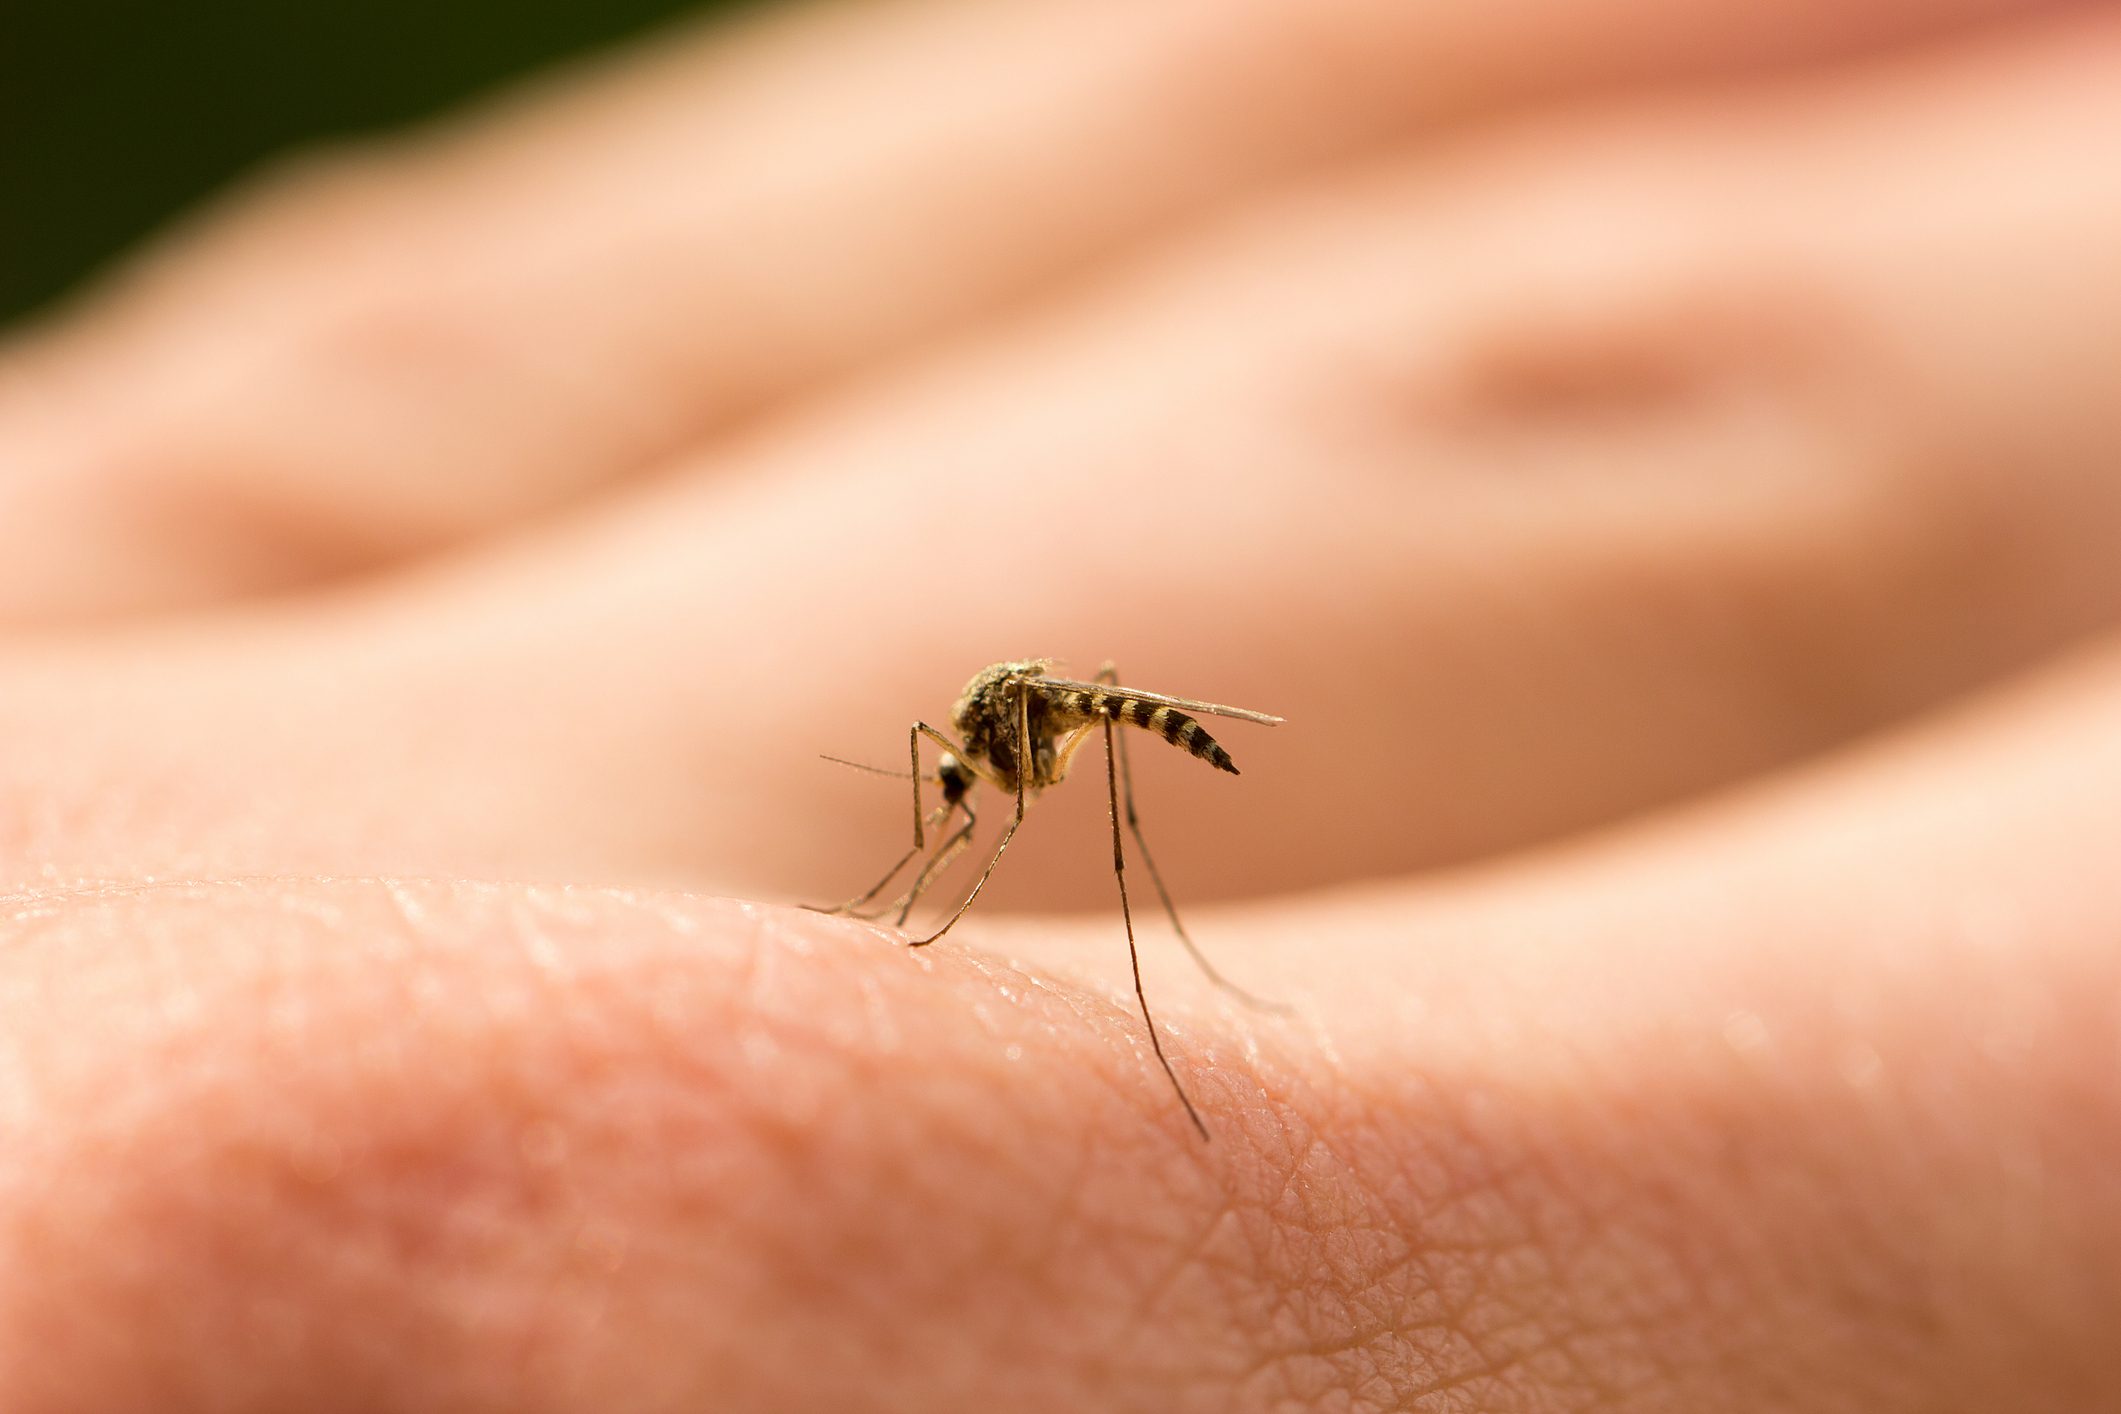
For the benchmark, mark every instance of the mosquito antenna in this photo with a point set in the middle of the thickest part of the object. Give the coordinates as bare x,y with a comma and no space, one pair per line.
865,766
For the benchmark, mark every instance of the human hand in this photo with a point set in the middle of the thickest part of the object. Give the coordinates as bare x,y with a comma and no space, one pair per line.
435,580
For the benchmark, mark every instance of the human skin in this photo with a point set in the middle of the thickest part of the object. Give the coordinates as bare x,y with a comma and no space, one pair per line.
1672,506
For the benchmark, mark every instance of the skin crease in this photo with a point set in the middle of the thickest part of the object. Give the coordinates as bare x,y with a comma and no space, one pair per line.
1686,512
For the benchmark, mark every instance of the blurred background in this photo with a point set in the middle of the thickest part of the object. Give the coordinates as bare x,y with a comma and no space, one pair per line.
1679,391
117,116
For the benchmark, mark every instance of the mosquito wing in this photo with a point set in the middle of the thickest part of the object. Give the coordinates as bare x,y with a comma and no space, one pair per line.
1183,704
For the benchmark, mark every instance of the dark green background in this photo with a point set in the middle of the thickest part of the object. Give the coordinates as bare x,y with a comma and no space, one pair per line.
114,114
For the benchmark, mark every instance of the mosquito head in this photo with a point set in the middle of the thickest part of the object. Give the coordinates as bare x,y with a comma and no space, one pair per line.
955,778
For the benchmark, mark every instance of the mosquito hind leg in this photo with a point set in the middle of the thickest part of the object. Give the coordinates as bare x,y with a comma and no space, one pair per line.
1126,914
1109,673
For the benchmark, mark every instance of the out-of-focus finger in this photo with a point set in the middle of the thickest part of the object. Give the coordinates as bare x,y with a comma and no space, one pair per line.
404,347
1530,532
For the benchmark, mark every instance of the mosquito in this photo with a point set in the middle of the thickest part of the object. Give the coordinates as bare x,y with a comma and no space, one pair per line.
1022,728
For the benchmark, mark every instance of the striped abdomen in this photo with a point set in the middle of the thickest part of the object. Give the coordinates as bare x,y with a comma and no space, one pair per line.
1169,723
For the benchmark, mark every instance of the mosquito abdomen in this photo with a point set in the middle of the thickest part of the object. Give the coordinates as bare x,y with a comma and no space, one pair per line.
1172,725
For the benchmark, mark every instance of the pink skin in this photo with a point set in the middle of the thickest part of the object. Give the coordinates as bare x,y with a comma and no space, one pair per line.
1681,502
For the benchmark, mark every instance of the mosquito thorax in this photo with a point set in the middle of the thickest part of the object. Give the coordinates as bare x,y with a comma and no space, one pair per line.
985,716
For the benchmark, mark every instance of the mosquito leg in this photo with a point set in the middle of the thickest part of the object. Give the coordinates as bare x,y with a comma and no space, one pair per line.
1021,732
855,906
913,756
943,859
936,859
1110,674
1119,872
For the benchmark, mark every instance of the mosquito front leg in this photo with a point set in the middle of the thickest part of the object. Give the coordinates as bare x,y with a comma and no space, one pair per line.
913,757
1020,731
1109,674
942,859
1126,914
936,859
